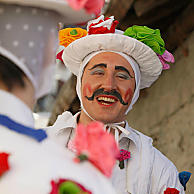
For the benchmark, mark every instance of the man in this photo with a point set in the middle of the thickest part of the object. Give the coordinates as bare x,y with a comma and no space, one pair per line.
29,161
111,68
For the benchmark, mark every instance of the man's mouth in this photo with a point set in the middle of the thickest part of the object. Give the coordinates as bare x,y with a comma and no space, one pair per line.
106,100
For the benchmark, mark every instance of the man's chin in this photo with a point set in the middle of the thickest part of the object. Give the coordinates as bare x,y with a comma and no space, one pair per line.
105,119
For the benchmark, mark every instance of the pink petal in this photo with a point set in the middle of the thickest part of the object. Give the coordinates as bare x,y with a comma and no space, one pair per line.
164,64
77,4
101,147
94,6
167,56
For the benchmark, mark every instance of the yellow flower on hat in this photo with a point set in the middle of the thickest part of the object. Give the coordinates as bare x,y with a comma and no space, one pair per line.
68,35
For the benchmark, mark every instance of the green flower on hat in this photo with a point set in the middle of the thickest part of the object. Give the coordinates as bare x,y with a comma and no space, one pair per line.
148,36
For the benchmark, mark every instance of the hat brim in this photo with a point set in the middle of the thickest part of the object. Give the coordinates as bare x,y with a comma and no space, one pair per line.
149,63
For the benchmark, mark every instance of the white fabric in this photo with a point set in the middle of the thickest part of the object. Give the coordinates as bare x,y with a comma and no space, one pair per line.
148,171
33,165
28,39
17,110
70,16
149,63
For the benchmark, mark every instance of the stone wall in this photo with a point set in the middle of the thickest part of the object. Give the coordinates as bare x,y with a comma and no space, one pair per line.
166,111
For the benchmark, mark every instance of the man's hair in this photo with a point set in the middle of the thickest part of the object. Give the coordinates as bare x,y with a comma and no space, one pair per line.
10,74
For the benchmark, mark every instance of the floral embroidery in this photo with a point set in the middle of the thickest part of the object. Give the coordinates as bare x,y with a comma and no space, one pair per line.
4,164
96,145
68,186
101,25
171,191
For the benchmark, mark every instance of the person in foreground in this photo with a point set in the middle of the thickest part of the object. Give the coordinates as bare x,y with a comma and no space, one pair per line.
30,163
111,67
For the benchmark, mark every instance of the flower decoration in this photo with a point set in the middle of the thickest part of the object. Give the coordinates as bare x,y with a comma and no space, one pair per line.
67,186
148,36
171,191
124,155
153,39
68,35
166,57
96,145
101,25
4,164
91,6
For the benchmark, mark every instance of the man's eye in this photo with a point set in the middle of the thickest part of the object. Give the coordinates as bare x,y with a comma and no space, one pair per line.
97,72
123,76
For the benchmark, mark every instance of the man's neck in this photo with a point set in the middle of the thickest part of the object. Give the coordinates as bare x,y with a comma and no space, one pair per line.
85,120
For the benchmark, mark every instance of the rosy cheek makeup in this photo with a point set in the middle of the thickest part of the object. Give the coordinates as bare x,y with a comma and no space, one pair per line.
87,91
128,95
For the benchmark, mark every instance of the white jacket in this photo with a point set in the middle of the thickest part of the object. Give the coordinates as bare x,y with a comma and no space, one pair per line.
148,171
33,164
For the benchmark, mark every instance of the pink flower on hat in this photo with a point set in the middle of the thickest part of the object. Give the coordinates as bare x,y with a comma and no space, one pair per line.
96,145
166,57
91,6
101,25
171,191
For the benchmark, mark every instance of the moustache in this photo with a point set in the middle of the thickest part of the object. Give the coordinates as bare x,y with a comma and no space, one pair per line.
111,93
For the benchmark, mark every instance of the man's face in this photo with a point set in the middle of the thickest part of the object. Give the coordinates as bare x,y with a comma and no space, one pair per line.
108,85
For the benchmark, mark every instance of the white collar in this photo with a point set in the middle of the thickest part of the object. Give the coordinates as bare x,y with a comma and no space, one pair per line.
67,120
133,136
14,108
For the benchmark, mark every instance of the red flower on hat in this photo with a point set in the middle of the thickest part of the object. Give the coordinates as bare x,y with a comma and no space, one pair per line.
67,186
4,165
171,191
96,145
101,25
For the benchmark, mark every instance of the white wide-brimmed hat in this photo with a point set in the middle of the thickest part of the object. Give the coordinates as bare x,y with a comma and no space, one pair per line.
102,36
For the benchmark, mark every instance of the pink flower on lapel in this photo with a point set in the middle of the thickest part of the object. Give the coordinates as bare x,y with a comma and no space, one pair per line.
99,147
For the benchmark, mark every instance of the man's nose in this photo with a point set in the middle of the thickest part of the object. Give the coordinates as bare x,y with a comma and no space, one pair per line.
109,83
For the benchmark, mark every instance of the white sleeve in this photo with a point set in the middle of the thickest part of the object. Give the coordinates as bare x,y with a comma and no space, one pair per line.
164,175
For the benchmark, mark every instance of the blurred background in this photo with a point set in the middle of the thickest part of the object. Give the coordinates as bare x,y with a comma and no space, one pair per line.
166,110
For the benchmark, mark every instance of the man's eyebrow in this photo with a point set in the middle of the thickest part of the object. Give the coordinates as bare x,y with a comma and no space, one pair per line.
123,69
98,65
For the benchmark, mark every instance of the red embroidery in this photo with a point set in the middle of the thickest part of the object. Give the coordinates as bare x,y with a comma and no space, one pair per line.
4,165
171,191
